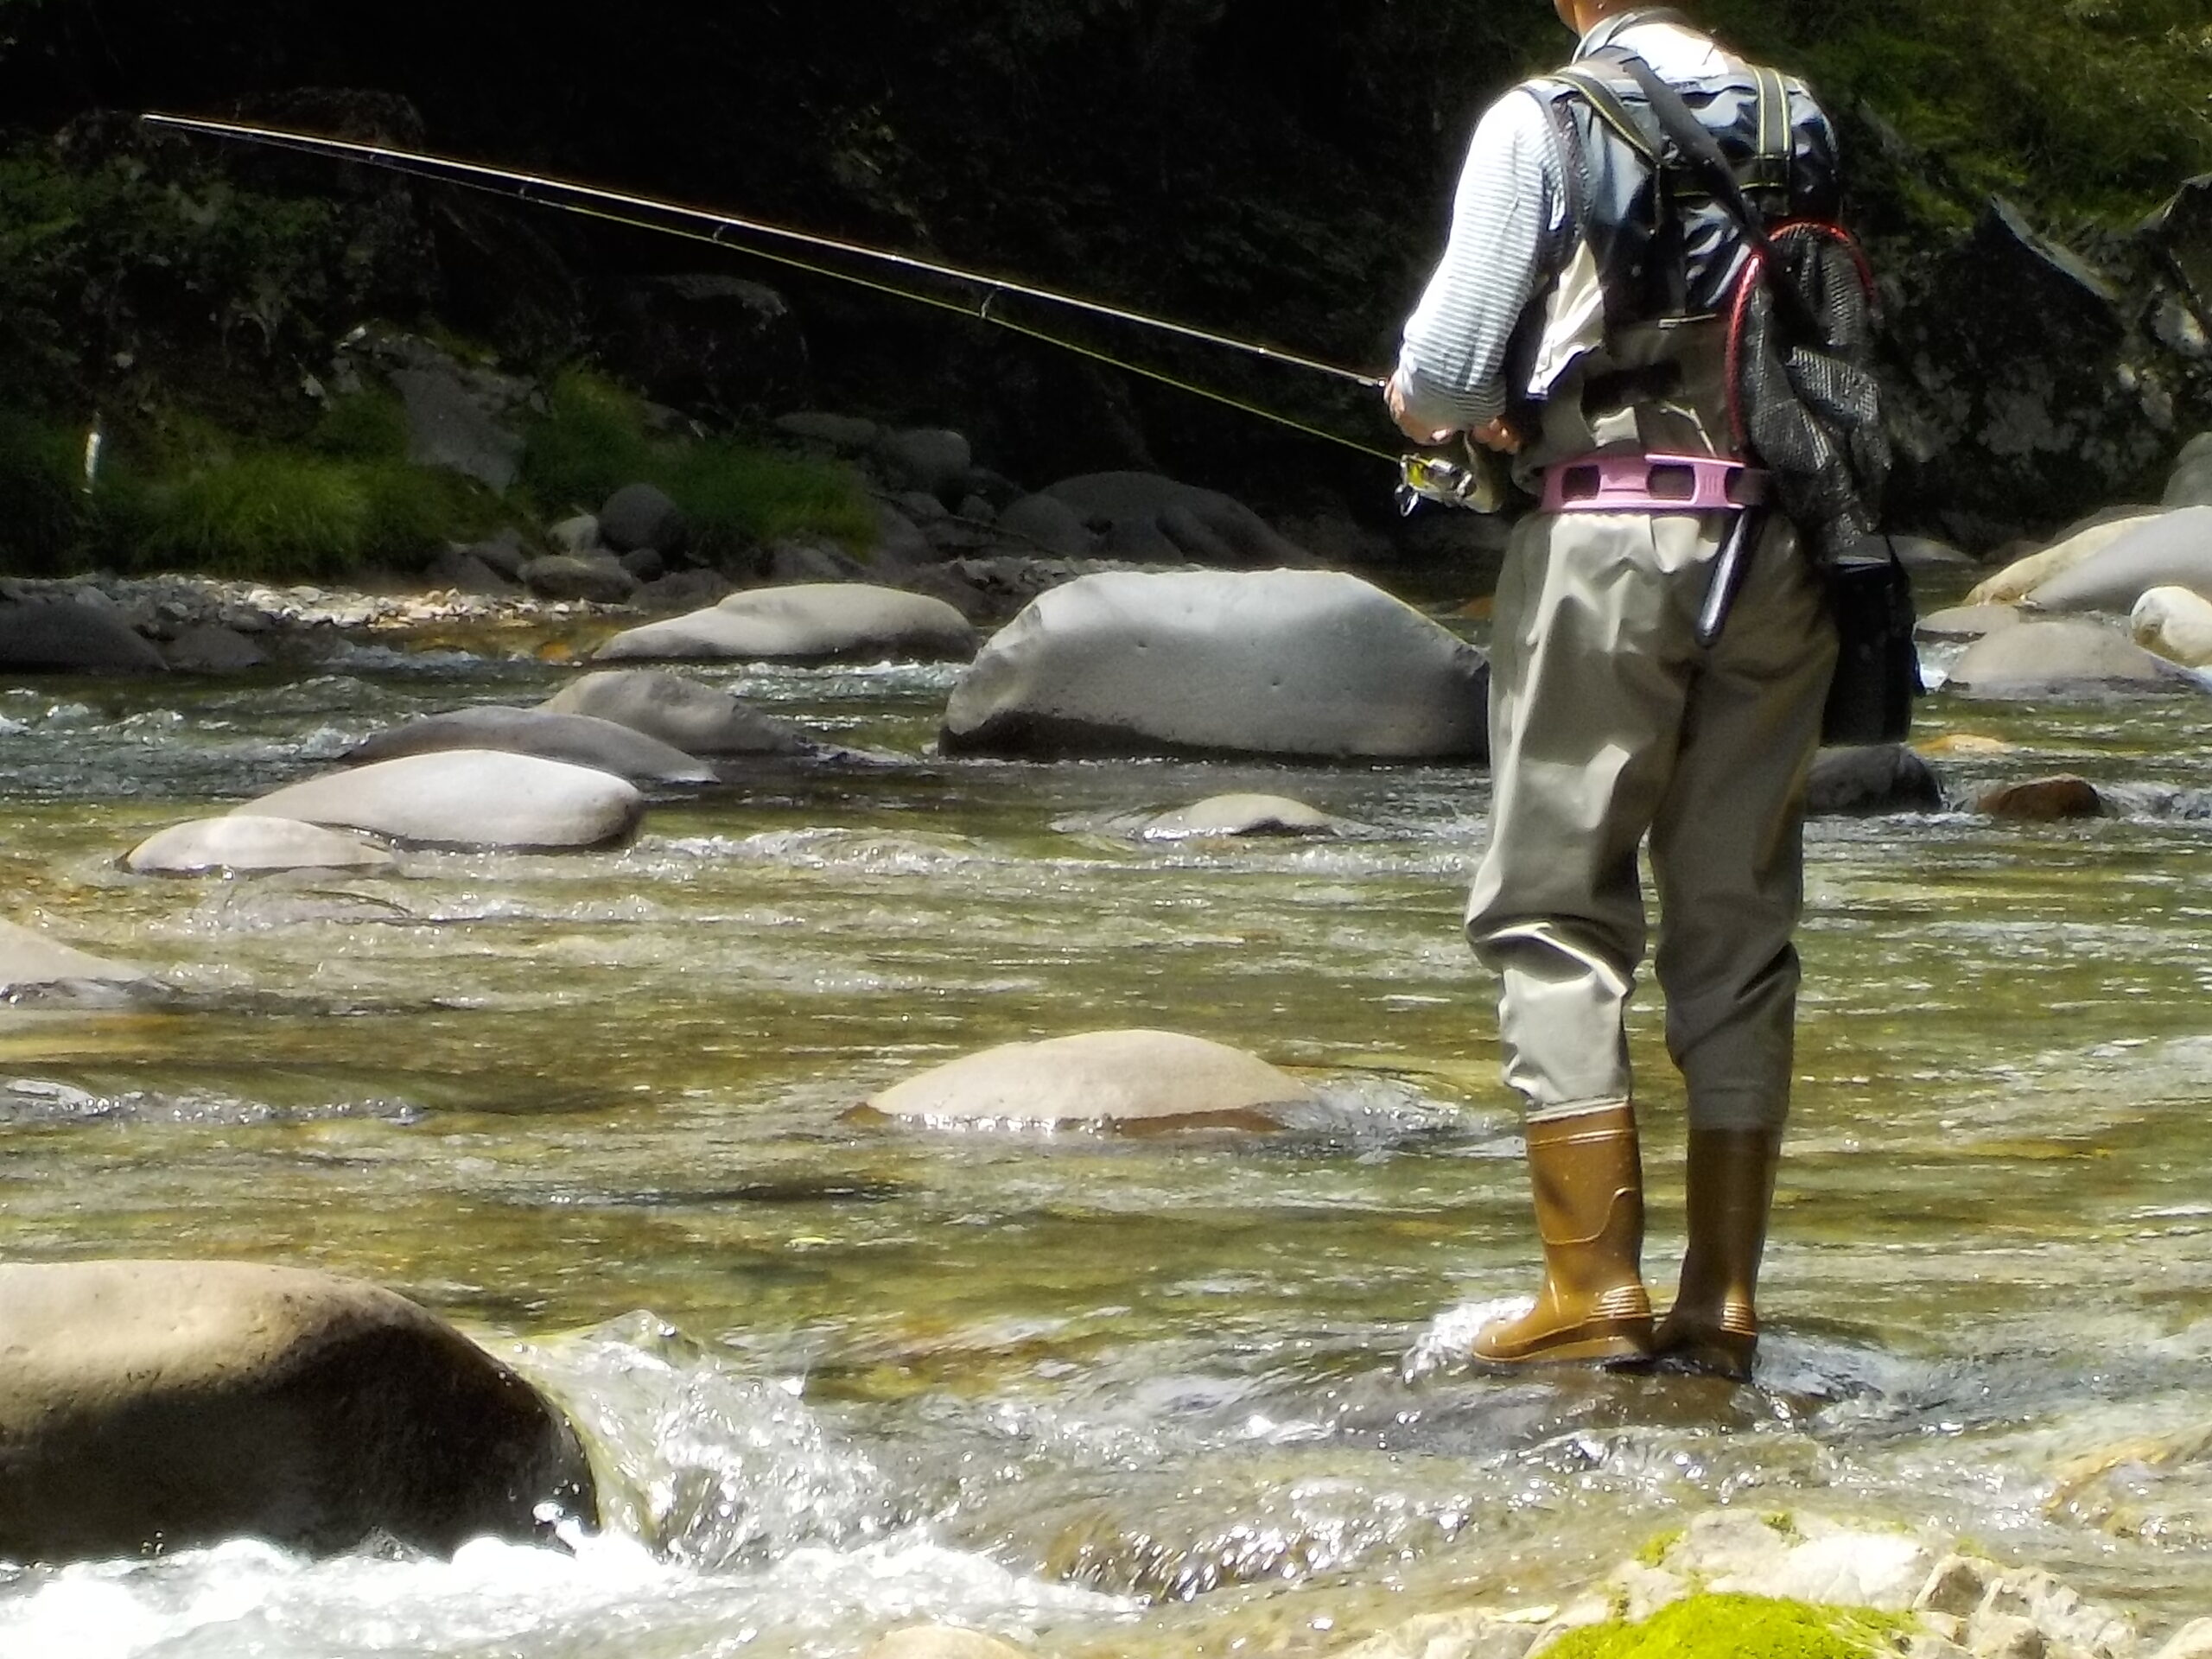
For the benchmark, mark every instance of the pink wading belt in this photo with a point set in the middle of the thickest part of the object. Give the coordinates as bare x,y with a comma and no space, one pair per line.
1631,482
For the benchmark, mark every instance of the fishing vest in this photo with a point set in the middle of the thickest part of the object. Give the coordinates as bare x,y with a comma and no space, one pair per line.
1627,347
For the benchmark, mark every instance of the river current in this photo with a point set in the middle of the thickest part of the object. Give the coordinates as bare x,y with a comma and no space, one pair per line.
1189,1394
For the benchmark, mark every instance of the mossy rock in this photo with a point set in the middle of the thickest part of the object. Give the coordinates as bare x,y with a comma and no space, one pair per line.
1737,1627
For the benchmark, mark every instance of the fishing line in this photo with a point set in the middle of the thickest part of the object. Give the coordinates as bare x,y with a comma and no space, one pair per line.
618,207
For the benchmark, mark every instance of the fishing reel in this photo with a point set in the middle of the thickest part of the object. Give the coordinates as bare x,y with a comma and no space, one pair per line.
1478,485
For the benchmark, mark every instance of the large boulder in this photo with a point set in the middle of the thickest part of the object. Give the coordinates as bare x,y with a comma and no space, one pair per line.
696,719
1145,516
2023,577
252,846
640,516
468,797
449,426
65,637
2060,659
2172,550
1106,1077
2191,483
1302,663
579,739
34,968
813,622
162,1405
2176,624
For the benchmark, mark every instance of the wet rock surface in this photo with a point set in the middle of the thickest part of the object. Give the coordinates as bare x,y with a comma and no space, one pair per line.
700,720
37,969
159,1405
579,739
1307,663
468,797
811,622
1114,1077
252,844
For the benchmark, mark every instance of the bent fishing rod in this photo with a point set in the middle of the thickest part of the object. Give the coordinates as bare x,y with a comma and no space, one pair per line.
1421,477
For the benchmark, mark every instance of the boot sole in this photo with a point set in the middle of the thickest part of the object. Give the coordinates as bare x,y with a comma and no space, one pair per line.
1613,1347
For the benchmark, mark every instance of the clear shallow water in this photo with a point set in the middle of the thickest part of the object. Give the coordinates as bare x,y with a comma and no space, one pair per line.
1167,1394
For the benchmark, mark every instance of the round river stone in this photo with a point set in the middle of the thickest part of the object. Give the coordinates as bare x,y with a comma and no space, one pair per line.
1307,663
1241,815
252,845
807,622
467,797
1116,1076
32,966
694,718
2060,659
579,739
163,1405
2176,624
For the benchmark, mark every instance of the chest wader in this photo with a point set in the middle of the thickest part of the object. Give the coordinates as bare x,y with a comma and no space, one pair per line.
1635,420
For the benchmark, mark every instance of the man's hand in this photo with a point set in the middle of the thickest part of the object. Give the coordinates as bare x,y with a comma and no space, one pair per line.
1496,434
1394,394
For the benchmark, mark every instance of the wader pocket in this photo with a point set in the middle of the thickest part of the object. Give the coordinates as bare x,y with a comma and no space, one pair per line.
1877,665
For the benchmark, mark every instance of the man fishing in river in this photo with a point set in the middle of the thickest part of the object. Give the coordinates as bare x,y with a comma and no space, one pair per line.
1572,325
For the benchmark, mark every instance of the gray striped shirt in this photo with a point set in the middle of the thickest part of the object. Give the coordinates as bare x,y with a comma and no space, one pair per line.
1512,235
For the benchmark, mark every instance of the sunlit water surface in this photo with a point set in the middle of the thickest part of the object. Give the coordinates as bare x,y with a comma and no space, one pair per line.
1192,1394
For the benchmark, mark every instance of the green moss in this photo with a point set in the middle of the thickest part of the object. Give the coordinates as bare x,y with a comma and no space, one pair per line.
736,497
362,426
277,514
1737,1627
592,439
1657,1547
42,499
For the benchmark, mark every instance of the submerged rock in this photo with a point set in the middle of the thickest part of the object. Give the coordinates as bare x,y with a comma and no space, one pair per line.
683,714
812,622
1111,1076
252,845
1306,662
1240,815
579,739
2175,623
163,1405
34,968
65,637
210,648
2043,800
1967,621
2060,659
468,797
941,1641
1871,778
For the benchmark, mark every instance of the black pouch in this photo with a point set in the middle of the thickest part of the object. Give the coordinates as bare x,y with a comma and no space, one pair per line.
1877,664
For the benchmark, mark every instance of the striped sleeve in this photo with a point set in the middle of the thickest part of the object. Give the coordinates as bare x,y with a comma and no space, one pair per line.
1509,236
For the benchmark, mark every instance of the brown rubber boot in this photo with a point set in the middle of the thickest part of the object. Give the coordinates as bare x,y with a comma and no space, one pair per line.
1713,1325
1589,1187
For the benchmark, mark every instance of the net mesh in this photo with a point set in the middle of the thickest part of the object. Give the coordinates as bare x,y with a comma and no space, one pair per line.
1807,403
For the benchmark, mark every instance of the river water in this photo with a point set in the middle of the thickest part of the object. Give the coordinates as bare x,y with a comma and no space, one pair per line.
1184,1393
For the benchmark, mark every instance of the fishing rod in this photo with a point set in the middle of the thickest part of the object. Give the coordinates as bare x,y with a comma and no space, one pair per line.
1421,477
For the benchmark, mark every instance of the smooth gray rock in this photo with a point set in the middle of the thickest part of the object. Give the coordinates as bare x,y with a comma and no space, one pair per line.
462,571
579,740
1145,516
65,637
1967,621
468,797
848,434
1098,1077
595,579
812,622
791,563
929,460
642,515
645,563
2060,659
248,845
2191,483
2075,546
503,554
1050,524
2172,550
446,426
165,1405
941,1641
210,648
898,544
34,968
1866,779
1301,663
575,536
696,719
1240,815
2175,623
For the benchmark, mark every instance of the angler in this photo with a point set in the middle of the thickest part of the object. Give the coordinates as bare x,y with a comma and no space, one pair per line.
1661,653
